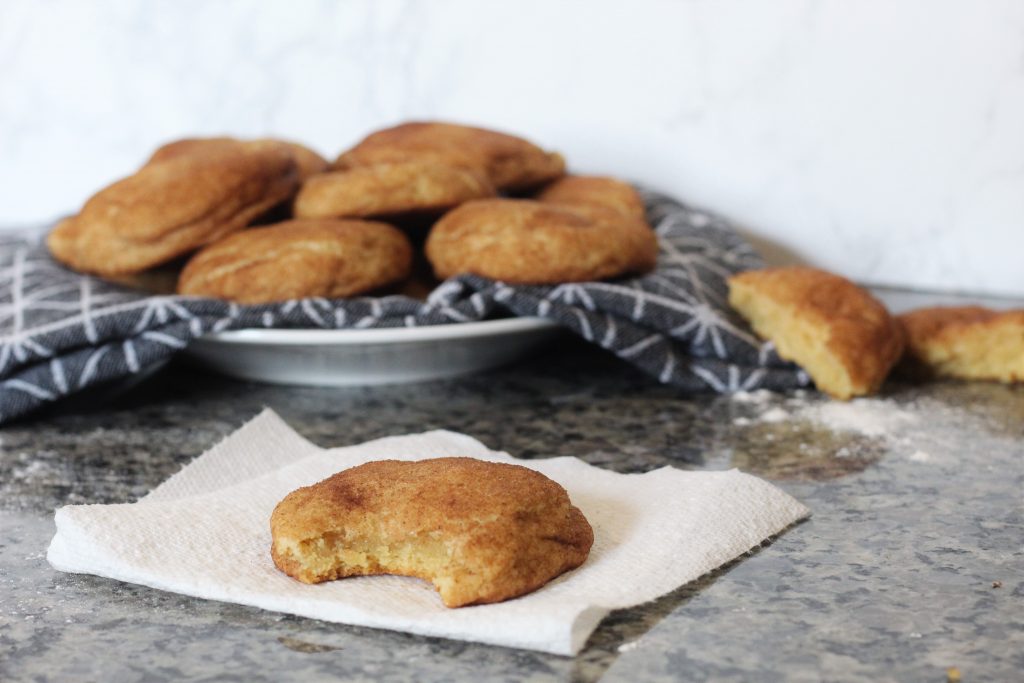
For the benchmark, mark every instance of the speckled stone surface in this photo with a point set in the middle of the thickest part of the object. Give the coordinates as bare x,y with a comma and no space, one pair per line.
912,562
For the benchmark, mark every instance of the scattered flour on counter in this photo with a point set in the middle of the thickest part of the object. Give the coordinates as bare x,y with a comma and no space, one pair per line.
775,415
759,397
867,416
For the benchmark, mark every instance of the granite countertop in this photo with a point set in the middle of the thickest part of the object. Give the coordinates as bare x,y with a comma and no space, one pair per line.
912,563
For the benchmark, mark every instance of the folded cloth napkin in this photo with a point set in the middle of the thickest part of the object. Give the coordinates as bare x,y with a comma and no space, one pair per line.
205,532
61,332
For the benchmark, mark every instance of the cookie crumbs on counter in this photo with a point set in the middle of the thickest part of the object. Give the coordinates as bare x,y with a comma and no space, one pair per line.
631,645
775,415
760,396
997,584
953,675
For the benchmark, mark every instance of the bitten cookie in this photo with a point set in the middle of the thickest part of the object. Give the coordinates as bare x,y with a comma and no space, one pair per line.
841,335
309,162
575,190
390,189
299,259
969,342
171,208
481,532
530,242
510,163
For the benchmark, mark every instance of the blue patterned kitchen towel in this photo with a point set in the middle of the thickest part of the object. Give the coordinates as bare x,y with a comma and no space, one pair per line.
61,332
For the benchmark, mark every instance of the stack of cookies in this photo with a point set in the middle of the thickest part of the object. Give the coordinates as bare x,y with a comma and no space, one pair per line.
257,221
268,220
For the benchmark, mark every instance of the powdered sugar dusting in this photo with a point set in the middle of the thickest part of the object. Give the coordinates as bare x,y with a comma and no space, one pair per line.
805,435
759,397
866,416
871,417
775,415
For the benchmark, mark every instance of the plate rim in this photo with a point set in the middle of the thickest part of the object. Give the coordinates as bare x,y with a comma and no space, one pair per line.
380,335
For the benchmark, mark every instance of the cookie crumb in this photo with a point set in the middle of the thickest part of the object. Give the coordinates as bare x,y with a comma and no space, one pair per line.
920,456
997,584
632,645
953,675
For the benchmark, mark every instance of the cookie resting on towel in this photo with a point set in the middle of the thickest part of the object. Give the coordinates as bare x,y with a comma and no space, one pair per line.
481,532
390,189
966,342
529,242
171,208
298,259
510,163
841,335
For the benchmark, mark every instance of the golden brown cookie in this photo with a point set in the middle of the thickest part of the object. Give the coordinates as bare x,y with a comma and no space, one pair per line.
510,163
481,532
968,342
309,162
298,259
530,242
171,208
575,190
389,189
840,334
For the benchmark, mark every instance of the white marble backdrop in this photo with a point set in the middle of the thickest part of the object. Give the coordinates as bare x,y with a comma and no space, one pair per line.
880,138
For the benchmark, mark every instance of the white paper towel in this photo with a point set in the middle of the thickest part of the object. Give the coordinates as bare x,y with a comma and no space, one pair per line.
205,532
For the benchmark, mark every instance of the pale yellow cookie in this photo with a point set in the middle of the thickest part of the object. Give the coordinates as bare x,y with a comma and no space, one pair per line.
390,189
168,209
530,242
510,163
967,342
299,259
576,190
481,532
836,331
